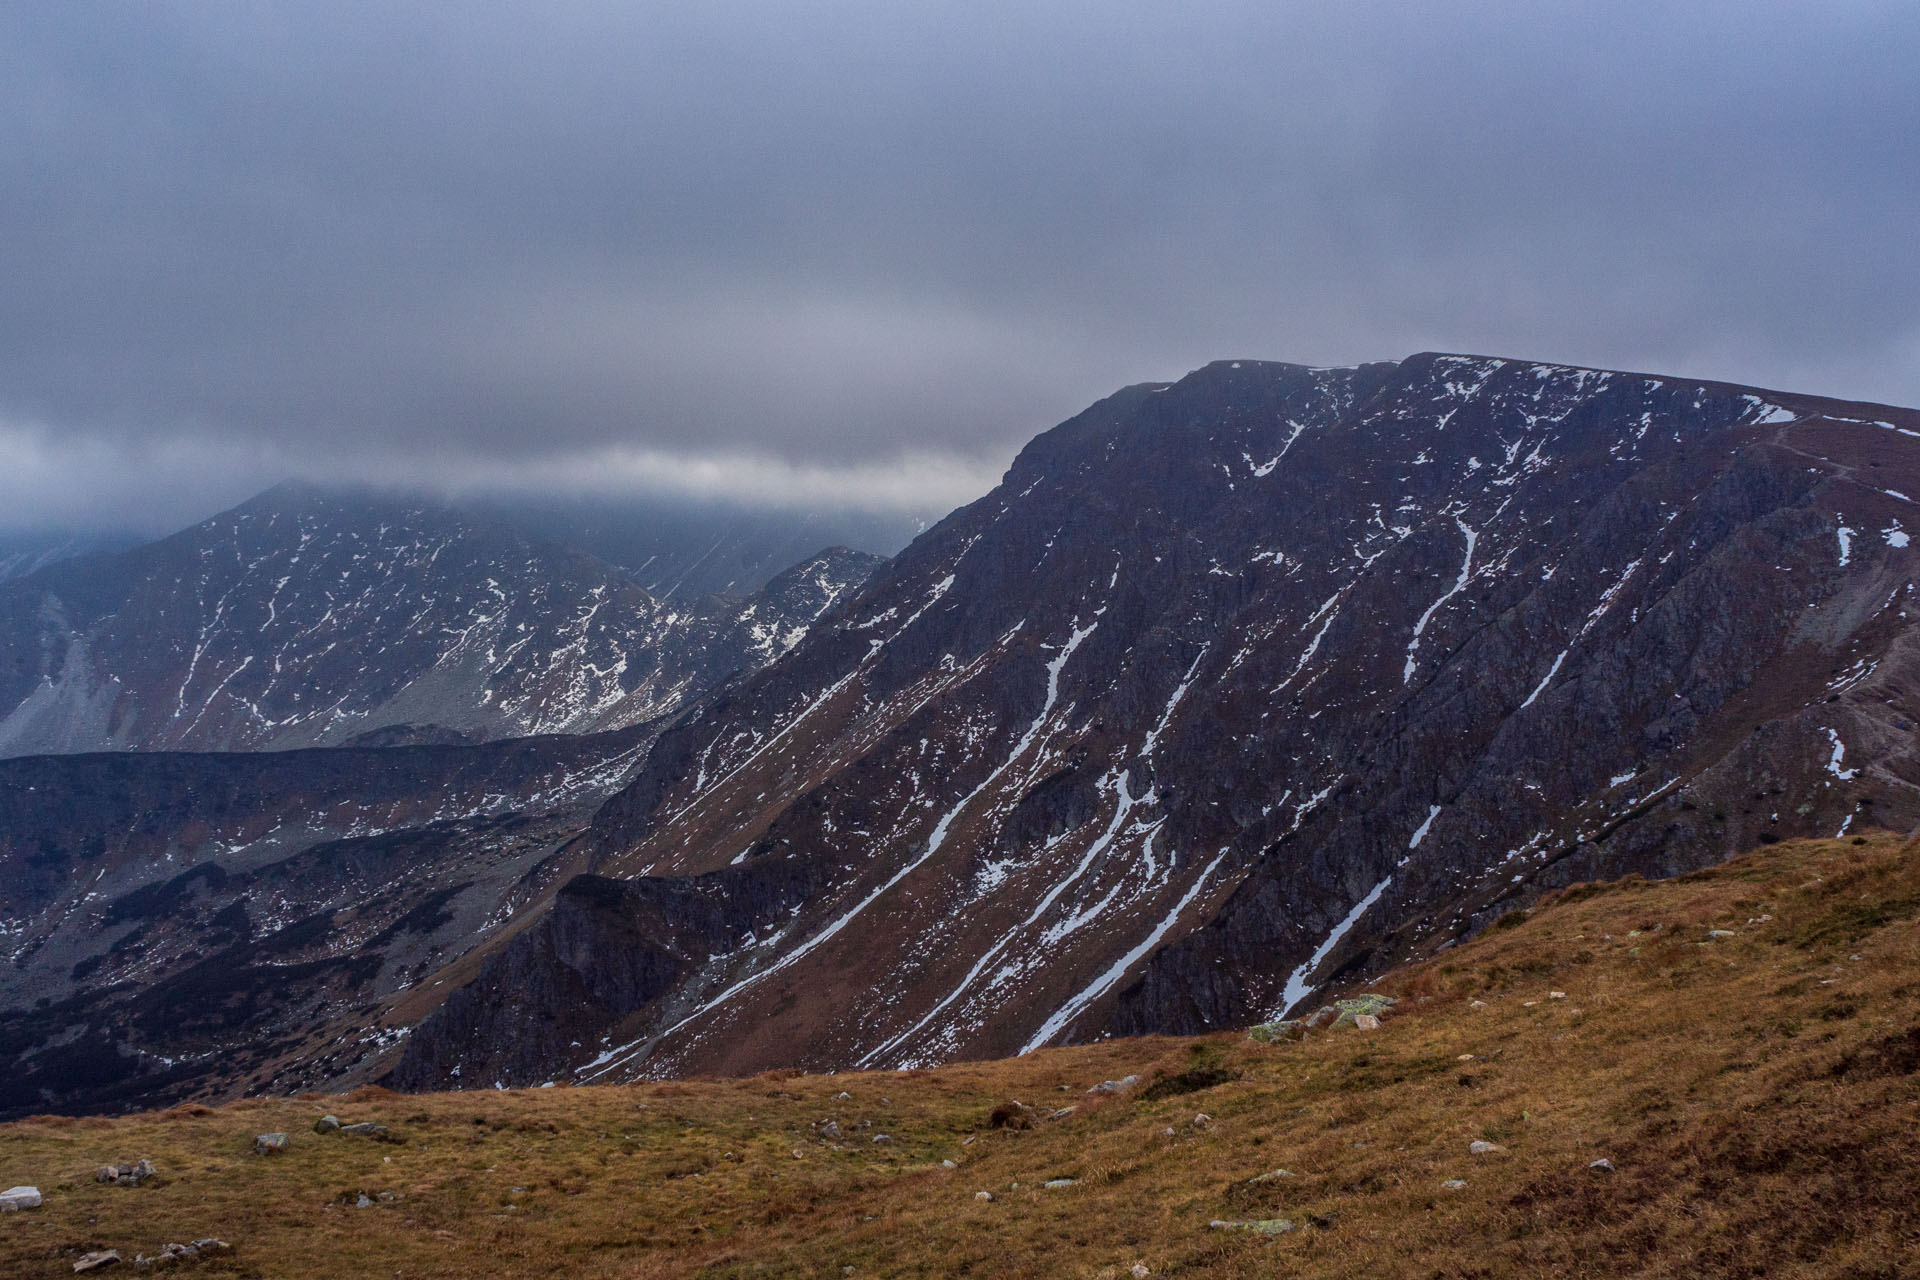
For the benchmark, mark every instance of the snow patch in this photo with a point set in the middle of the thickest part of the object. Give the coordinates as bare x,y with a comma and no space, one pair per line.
1545,680
1421,834
1839,754
1067,1012
1298,988
1459,585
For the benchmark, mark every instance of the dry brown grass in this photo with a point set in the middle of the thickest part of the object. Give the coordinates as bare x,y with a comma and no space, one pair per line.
1758,1095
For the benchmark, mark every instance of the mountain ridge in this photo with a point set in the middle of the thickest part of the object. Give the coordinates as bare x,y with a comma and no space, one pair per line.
1061,784
306,616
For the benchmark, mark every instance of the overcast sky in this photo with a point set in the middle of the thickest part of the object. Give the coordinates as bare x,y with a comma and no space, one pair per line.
858,253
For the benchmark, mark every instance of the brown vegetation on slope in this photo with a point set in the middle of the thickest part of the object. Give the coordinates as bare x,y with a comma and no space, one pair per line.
1743,1045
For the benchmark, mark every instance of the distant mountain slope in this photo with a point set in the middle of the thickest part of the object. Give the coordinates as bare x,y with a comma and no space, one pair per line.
306,617
1233,687
178,924
682,550
24,553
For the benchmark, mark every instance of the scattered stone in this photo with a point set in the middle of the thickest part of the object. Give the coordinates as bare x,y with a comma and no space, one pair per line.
883,1139
798,1154
1602,1165
1275,1176
125,1174
1348,1012
171,1253
1139,1271
327,1124
95,1261
843,1096
1202,1121
1556,995
1259,1226
1482,1148
364,1202
1721,933
1465,1057
948,1164
1057,1184
365,1129
270,1144
1062,1113
983,1195
1273,1032
1453,1184
831,1129
1476,1004
1168,1133
1116,1086
1365,1022
16,1198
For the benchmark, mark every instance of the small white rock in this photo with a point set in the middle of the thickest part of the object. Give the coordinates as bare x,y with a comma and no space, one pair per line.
1602,1165
15,1198
983,1195
1365,1022
1483,1148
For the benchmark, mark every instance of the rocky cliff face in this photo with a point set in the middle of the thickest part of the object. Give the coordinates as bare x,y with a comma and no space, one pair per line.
1235,688
308,618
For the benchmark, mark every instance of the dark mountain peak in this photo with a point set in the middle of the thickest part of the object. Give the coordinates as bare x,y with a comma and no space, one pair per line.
1250,683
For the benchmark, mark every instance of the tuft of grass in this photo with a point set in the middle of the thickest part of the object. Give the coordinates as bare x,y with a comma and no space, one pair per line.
1753,1084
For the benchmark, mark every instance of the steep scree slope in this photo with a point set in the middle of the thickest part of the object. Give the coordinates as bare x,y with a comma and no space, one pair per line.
1236,687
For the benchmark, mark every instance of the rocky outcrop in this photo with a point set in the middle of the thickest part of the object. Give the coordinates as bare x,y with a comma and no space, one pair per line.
566,989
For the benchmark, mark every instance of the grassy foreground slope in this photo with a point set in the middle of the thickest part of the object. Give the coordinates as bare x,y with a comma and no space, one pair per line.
1742,1045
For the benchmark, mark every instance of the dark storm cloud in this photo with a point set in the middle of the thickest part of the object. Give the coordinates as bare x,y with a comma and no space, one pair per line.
860,252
